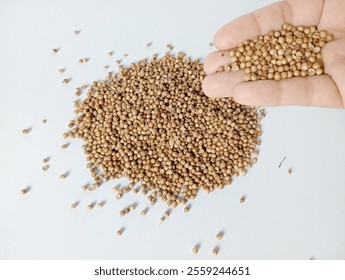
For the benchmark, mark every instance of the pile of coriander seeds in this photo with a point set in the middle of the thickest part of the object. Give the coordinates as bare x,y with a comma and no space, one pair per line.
282,54
152,123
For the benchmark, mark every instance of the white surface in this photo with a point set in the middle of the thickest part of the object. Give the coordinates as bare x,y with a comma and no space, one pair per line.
297,216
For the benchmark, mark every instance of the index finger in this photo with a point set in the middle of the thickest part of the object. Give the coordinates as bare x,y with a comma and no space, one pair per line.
268,18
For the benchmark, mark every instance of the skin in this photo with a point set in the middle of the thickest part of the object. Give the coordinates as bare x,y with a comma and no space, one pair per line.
320,91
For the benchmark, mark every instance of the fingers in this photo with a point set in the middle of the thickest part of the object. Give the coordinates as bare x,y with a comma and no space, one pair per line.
252,25
318,91
214,60
221,84
268,18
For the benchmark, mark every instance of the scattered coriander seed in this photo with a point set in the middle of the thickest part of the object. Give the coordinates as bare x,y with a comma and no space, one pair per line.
45,167
26,130
125,54
161,220
120,231
44,121
144,212
210,44
45,160
55,50
84,187
64,146
110,53
195,249
24,191
105,66
118,195
215,251
84,86
118,61
220,235
186,209
65,81
122,213
90,206
170,47
101,204
61,70
136,190
149,44
76,32
63,176
132,207
290,170
83,60
255,160
74,205
242,199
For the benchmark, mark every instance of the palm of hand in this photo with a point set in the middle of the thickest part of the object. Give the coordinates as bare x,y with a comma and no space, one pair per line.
324,91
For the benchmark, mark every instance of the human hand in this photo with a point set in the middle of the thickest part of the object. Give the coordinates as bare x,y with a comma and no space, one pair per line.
321,91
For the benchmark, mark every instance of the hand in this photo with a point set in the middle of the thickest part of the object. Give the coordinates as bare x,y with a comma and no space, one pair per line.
323,91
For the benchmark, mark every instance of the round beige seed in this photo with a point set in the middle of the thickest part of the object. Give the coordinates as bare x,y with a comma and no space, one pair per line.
45,167
215,251
74,205
24,191
220,235
120,231
195,249
242,199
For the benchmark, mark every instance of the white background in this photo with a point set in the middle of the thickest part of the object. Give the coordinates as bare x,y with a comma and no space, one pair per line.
286,216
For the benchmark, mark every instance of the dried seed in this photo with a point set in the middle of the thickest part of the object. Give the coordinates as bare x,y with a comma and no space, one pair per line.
242,199
290,170
210,44
44,121
186,209
132,207
125,54
64,146
220,235
90,206
84,187
215,251
101,204
76,32
83,60
61,70
55,50
45,160
26,130
136,155
110,53
120,231
144,212
149,44
24,191
65,81
45,167
63,176
195,249
74,205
